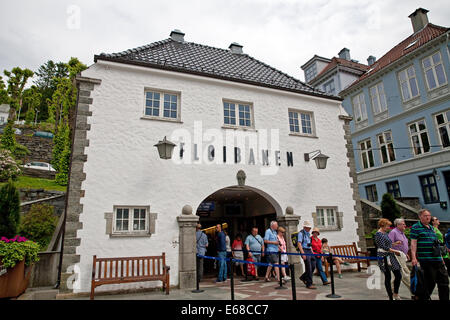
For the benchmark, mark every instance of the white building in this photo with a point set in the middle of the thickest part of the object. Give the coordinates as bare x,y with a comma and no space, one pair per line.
4,113
124,200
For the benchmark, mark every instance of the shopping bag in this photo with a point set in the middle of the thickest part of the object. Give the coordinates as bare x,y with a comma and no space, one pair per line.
251,271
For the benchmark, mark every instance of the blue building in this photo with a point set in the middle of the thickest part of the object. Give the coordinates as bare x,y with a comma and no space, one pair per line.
401,120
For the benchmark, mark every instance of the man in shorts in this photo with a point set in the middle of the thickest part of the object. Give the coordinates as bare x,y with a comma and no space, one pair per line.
254,244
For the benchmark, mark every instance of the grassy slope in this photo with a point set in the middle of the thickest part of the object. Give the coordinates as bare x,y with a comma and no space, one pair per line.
25,182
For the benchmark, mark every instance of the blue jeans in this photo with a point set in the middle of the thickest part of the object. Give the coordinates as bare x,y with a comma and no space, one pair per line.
222,276
309,268
322,274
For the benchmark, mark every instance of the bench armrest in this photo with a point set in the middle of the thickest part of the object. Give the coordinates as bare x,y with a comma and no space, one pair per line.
366,253
167,268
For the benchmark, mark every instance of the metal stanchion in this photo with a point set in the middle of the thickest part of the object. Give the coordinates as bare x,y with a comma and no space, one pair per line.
197,278
332,295
294,291
279,272
232,279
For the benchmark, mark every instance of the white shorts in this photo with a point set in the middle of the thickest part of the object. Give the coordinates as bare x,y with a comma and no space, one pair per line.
284,258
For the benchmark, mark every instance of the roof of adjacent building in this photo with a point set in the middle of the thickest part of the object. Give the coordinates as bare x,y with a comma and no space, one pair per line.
193,58
413,42
341,62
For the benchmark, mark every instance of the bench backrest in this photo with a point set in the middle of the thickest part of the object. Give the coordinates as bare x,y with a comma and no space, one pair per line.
345,250
128,267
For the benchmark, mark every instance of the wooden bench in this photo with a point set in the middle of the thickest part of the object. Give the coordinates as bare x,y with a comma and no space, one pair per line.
129,269
348,250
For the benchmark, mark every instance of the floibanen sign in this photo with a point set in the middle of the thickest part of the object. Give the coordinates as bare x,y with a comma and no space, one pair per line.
229,146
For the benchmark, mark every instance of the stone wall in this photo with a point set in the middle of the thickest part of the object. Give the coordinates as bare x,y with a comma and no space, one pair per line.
40,148
30,196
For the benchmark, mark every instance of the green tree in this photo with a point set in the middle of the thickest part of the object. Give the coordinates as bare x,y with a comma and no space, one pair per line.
32,99
9,210
389,208
3,93
39,224
59,142
46,80
17,79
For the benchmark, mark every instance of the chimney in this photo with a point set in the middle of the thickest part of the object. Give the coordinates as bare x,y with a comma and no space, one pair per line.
344,54
371,60
419,19
177,35
235,48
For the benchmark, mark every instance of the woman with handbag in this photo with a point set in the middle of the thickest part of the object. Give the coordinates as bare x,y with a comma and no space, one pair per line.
384,245
444,252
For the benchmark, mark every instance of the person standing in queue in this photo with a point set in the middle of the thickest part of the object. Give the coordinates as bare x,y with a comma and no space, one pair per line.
221,253
254,244
316,246
425,250
271,242
304,245
202,244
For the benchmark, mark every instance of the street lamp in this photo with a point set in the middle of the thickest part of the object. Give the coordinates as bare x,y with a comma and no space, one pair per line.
319,158
165,148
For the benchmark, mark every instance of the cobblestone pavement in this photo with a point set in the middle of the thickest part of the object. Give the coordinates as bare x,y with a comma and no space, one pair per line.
353,286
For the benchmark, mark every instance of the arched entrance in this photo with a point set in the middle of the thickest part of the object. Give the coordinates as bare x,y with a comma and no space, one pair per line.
240,208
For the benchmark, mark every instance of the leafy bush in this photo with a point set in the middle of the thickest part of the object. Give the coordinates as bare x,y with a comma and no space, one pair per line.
9,169
17,249
9,209
39,224
389,208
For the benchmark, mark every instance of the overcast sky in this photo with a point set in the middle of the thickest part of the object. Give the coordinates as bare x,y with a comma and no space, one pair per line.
282,33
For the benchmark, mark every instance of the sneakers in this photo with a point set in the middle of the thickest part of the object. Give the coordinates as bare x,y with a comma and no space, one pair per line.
346,264
340,276
311,287
326,283
397,297
286,278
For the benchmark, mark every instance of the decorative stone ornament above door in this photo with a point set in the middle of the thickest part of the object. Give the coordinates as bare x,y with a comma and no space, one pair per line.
241,177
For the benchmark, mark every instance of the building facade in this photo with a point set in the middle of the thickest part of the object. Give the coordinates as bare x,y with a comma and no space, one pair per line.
401,111
241,130
335,74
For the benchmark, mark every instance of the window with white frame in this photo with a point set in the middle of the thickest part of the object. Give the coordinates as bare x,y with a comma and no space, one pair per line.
301,122
237,114
311,72
366,154
130,220
162,105
329,87
326,217
378,98
408,83
386,147
359,108
419,137
443,127
434,71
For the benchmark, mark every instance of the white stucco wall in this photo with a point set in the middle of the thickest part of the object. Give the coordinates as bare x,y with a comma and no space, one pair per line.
123,166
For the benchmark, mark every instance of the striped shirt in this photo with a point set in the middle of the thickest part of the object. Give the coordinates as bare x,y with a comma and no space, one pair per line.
425,237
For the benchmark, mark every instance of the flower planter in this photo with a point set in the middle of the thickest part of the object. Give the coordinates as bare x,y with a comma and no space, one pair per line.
15,281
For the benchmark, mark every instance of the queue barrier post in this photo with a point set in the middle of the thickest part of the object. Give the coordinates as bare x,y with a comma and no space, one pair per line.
232,279
294,291
333,294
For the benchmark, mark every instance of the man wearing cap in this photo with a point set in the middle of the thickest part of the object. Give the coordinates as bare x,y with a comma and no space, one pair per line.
202,243
304,245
316,245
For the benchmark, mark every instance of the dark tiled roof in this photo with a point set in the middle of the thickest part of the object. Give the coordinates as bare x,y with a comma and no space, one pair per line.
408,45
189,57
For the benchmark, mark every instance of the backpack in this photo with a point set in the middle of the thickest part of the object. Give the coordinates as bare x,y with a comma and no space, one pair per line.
418,287
294,239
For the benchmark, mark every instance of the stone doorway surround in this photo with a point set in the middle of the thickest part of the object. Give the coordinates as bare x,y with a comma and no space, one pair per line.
187,222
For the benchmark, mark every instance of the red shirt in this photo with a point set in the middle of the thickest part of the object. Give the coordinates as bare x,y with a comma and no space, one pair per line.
316,245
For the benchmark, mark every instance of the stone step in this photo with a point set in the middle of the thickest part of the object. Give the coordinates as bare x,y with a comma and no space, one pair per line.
42,293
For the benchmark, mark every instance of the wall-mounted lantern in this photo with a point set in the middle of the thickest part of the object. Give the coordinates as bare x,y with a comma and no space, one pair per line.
319,158
165,148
